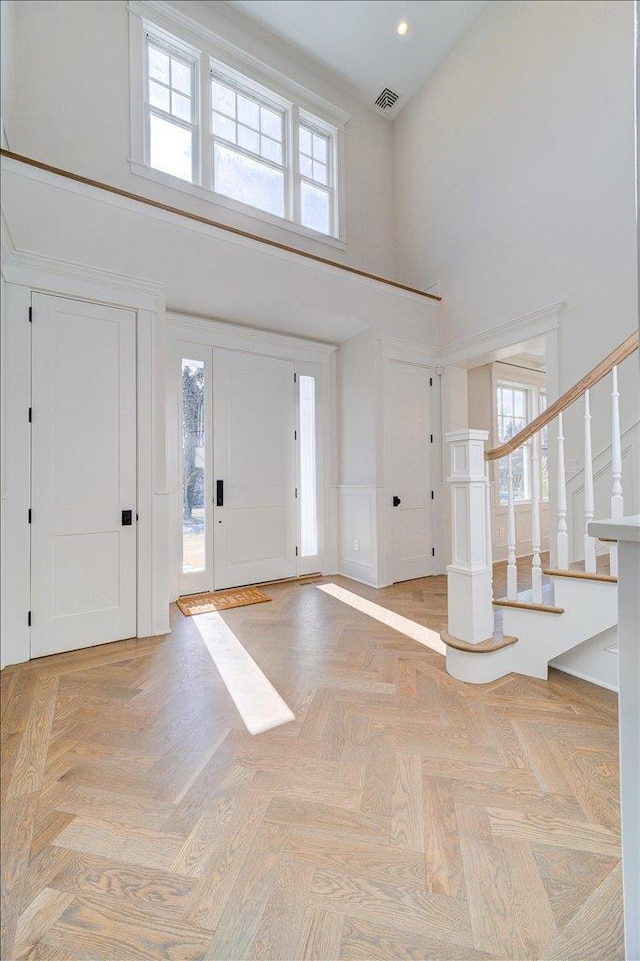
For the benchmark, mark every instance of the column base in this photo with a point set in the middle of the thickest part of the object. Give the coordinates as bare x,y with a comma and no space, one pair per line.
470,607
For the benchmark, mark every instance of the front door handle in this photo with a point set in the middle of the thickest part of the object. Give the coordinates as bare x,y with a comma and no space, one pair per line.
396,501
219,493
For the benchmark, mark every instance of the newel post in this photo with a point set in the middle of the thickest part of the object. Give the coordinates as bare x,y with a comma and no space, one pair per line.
469,575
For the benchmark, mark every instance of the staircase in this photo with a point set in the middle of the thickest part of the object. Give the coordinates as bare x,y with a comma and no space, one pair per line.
564,607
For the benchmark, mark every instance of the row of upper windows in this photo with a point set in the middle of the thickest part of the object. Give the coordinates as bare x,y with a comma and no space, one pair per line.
210,126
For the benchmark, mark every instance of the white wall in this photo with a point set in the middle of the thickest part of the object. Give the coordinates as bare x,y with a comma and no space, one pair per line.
515,182
69,106
7,45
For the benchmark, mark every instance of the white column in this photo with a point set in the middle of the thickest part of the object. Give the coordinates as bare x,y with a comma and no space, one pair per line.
469,575
536,547
627,532
589,507
562,541
512,569
617,499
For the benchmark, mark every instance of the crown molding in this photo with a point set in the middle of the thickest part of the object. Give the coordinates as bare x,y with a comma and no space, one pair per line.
48,273
535,323
218,333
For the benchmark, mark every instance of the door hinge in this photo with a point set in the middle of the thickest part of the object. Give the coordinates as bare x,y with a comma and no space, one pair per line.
433,552
296,551
296,491
30,315
28,618
295,435
30,414
295,378
431,438
29,515
431,382
432,496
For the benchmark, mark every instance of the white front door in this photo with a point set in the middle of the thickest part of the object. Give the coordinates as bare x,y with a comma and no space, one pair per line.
83,567
254,470
408,448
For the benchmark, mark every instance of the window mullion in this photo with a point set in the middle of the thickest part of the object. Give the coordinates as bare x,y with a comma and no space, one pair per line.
294,164
205,139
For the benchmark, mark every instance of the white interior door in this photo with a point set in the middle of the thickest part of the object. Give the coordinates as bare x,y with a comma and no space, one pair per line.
83,567
254,468
408,450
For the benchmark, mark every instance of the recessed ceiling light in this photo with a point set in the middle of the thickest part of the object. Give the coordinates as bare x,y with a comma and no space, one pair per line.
403,28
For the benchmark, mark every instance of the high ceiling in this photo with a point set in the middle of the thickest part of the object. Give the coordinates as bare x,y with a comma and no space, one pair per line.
357,39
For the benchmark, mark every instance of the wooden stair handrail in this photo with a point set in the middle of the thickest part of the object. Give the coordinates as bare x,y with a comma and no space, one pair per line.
626,348
199,219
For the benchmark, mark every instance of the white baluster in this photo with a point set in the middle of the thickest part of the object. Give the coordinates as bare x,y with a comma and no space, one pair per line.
512,570
617,499
563,533
589,506
536,547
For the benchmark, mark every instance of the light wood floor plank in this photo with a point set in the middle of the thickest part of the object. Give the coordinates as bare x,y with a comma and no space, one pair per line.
367,941
400,904
151,849
97,929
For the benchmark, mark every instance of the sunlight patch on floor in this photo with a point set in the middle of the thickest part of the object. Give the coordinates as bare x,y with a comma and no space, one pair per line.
258,703
417,632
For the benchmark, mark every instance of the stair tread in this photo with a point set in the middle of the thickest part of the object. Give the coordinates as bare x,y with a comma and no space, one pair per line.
495,643
582,575
527,606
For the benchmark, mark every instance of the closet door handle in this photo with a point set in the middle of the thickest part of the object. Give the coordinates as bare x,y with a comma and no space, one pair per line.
219,493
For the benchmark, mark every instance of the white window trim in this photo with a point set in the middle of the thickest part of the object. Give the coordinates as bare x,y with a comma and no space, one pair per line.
215,52
534,383
188,54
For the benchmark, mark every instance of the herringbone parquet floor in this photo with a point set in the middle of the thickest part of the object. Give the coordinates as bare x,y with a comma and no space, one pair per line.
401,815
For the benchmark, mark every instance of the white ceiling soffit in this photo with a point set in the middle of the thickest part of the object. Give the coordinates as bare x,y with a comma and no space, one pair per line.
358,41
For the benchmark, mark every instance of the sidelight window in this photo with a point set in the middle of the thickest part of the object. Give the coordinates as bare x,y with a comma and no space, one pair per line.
193,466
308,468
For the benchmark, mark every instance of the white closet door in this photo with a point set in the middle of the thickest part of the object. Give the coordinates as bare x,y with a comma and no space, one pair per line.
408,465
254,468
83,550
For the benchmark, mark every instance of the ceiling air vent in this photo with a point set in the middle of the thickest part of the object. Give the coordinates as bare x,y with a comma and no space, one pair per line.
389,102
387,99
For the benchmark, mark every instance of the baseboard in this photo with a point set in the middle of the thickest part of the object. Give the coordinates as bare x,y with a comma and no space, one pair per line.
584,677
360,580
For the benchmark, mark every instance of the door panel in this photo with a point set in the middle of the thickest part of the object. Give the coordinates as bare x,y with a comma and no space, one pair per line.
408,454
83,475
254,457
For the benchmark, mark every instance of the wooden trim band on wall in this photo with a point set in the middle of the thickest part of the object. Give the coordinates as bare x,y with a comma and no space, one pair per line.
108,188
626,348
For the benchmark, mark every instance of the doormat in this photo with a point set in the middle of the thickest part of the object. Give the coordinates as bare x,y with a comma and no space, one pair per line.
220,600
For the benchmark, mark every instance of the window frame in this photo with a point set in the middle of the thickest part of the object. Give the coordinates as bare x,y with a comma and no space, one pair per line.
533,402
185,54
212,54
